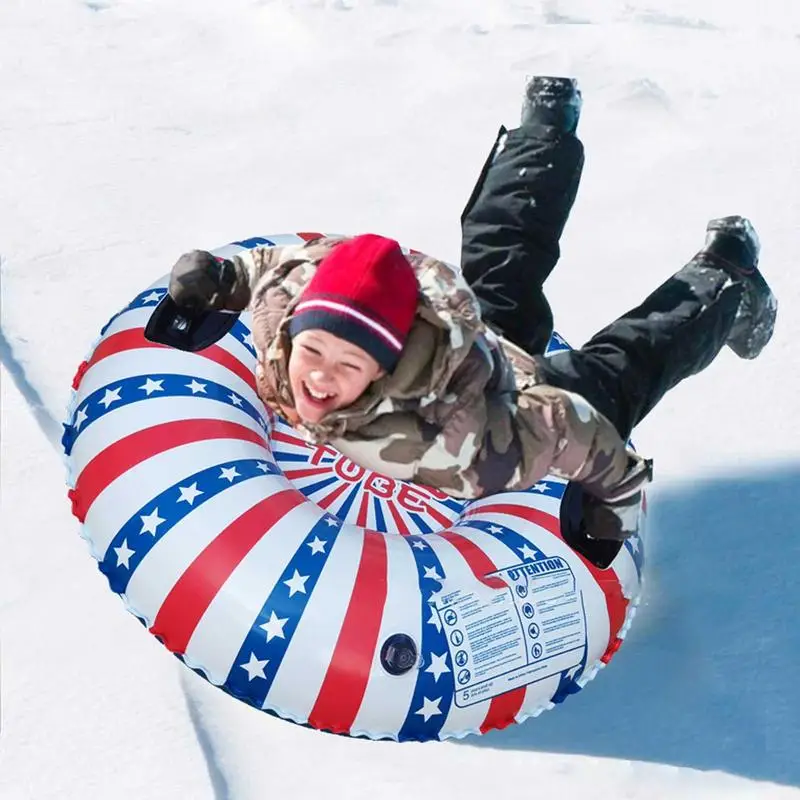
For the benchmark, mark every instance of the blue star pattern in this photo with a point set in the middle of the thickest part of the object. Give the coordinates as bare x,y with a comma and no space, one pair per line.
556,344
242,334
521,547
433,693
263,649
149,387
153,521
149,298
569,680
635,547
255,241
546,488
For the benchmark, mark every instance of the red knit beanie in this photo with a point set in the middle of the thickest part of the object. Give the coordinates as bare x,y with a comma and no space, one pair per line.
364,291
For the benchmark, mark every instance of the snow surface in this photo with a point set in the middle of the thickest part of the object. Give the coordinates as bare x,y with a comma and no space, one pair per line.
134,130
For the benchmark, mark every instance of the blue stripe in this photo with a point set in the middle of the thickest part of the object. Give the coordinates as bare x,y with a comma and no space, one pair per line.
415,728
315,487
130,390
420,522
169,507
291,609
293,457
342,512
454,505
254,241
380,520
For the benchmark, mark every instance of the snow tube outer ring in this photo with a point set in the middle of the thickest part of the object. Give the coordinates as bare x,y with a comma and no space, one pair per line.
261,562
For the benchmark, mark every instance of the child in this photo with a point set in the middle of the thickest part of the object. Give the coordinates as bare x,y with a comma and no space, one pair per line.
426,374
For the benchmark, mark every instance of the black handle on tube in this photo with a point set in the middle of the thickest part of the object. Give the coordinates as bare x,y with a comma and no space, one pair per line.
185,329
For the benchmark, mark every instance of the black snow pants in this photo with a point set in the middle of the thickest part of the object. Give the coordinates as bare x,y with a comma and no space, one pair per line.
511,228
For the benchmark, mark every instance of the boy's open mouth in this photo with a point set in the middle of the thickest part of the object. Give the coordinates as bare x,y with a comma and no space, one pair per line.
316,397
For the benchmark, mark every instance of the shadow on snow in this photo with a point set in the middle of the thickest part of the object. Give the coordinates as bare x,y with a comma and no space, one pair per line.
706,678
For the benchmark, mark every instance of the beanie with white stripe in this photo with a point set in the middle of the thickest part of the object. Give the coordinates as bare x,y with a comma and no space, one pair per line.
364,291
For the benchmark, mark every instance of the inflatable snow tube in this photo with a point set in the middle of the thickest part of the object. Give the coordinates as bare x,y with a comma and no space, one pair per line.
307,586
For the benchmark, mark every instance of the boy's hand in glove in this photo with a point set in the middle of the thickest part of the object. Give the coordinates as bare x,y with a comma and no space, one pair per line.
200,282
616,516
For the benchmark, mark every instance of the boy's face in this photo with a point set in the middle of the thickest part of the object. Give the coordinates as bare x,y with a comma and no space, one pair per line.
327,373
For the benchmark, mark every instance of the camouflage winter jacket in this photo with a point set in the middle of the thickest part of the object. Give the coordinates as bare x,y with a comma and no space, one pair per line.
463,411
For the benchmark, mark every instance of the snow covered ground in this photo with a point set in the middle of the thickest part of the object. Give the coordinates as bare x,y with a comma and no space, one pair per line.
133,130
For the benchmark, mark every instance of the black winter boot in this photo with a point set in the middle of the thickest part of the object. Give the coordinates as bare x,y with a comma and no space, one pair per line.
551,101
732,245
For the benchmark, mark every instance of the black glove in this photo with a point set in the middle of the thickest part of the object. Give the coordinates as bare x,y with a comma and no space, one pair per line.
616,516
200,282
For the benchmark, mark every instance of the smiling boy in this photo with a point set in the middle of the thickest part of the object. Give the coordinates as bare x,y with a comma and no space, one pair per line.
349,327
327,373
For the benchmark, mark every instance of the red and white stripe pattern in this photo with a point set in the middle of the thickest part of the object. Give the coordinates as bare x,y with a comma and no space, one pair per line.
280,569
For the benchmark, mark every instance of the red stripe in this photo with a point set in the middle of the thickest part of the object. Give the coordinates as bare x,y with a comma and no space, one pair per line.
328,499
443,520
504,708
607,579
308,237
197,587
126,453
345,682
280,436
119,342
79,373
305,473
133,339
402,528
477,560
535,515
363,510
